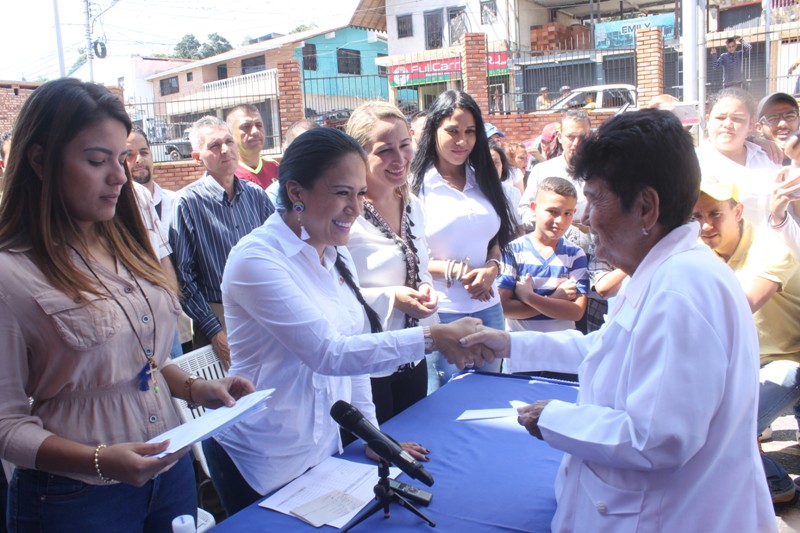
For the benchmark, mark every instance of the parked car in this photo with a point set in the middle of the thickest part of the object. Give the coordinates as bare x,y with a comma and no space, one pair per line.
597,98
334,119
178,149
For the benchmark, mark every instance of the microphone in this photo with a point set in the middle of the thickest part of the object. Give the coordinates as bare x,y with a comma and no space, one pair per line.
382,444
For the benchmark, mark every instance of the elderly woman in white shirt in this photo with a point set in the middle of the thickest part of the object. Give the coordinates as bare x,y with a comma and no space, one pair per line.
467,218
666,411
389,250
296,323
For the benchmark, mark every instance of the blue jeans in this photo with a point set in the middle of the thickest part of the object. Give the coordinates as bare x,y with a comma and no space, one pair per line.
234,491
40,501
780,388
439,370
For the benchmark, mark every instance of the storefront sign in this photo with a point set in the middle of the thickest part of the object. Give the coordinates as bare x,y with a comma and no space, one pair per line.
621,33
437,70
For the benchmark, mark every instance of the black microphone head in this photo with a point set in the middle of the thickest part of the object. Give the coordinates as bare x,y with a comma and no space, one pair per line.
345,415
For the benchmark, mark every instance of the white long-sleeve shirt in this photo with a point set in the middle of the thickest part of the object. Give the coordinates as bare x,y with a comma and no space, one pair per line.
381,266
666,411
294,325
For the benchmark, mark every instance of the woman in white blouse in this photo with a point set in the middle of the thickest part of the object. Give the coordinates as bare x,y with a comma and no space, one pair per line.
728,156
388,246
467,219
296,323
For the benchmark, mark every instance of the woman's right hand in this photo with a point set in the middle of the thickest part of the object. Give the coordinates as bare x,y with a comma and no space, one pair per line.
411,302
128,463
784,193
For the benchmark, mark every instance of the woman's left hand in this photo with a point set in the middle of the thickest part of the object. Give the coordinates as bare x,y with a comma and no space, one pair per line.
479,282
417,451
529,417
213,393
430,298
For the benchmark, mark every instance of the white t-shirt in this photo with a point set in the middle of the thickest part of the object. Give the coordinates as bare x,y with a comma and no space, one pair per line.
458,225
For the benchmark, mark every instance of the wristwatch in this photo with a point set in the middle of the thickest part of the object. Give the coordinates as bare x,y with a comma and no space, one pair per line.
426,333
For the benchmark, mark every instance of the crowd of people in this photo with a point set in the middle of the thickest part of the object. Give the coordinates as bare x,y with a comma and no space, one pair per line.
374,264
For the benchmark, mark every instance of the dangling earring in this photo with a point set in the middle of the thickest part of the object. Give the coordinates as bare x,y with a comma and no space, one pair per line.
299,207
645,232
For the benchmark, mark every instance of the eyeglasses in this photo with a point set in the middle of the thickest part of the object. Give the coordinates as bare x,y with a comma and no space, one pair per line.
775,118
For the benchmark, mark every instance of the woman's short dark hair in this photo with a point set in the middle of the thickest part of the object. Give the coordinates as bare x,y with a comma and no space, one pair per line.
480,159
647,148
311,154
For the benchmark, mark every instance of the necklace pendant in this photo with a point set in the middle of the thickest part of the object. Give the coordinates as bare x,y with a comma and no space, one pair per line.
152,372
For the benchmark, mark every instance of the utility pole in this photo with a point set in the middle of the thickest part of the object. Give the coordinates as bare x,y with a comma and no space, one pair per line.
89,51
59,47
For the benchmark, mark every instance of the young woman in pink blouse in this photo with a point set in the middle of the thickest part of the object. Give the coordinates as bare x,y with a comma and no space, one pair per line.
87,318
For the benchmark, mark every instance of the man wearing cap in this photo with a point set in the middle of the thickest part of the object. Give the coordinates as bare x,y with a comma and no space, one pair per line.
770,278
543,101
778,119
493,135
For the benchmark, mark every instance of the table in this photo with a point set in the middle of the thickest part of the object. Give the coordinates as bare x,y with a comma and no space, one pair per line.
490,475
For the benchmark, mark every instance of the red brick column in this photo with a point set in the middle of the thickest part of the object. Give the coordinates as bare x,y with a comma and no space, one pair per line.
12,95
290,94
175,175
473,70
649,65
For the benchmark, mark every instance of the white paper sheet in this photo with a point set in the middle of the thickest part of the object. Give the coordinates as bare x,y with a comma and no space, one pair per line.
333,474
212,422
500,412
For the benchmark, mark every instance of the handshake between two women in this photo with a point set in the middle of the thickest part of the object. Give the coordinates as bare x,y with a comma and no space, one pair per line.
467,343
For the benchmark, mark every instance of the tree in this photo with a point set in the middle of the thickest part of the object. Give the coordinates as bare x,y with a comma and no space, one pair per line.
304,27
188,47
216,44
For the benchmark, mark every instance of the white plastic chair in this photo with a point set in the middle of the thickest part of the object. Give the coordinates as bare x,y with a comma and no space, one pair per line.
204,363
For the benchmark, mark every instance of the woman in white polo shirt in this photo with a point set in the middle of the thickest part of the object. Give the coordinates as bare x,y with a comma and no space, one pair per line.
467,219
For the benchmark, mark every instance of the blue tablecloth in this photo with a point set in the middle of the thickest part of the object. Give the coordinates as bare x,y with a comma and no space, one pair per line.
490,475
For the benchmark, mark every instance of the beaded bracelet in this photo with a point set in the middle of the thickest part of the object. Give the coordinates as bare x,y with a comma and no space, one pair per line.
781,224
187,391
103,478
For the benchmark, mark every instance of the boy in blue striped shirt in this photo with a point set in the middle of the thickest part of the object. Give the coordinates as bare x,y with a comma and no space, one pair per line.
544,280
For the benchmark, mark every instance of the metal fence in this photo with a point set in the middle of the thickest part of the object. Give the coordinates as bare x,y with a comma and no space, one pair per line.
167,122
521,87
329,100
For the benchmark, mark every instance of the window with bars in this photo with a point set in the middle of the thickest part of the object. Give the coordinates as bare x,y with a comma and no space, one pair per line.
253,64
383,71
434,29
488,11
405,26
457,16
169,85
309,56
348,61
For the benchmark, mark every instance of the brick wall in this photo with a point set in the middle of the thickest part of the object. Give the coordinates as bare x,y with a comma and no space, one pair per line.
12,96
649,65
518,128
555,36
178,174
290,94
473,65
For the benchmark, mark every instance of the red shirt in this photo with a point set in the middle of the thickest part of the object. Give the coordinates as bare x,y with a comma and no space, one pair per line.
263,175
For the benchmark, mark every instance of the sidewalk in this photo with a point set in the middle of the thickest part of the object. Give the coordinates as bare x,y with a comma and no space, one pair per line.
783,447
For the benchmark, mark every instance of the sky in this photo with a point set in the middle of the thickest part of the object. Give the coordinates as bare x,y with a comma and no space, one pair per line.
144,27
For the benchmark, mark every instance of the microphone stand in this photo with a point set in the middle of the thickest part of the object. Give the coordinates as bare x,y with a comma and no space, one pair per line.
384,495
